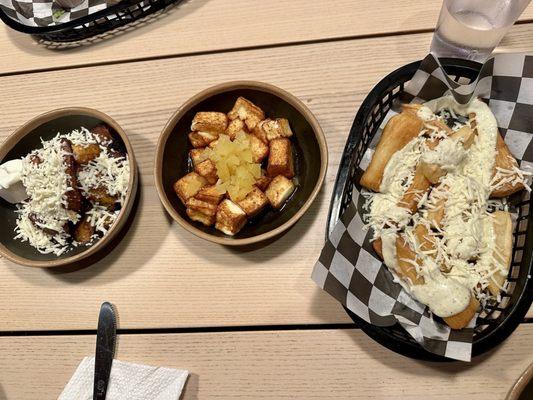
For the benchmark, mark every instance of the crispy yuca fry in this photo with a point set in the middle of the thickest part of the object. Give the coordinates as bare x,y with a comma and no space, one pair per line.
504,160
459,321
503,248
414,193
436,214
424,239
406,270
378,247
399,131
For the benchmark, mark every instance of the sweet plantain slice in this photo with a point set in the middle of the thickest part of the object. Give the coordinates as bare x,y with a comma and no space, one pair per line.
399,131
503,248
83,231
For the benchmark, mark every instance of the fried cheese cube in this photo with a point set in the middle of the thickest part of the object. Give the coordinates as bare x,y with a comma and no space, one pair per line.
208,170
201,206
248,112
211,121
210,194
280,160
263,182
189,186
254,202
279,191
259,149
230,218
234,127
197,140
207,220
274,129
197,156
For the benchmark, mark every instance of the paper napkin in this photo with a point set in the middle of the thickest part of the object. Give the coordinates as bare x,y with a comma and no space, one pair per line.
127,382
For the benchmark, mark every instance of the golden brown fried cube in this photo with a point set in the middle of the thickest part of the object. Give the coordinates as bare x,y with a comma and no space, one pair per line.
210,194
208,170
211,121
263,182
275,129
259,149
207,220
253,203
279,191
197,156
101,196
280,160
102,135
197,140
85,154
230,218
201,206
189,186
236,126
260,133
248,112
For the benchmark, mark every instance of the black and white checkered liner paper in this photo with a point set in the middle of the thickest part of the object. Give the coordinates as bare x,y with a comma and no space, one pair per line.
48,13
350,270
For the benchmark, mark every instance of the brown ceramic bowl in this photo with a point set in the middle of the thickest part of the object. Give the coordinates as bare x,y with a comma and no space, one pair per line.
27,138
523,387
310,152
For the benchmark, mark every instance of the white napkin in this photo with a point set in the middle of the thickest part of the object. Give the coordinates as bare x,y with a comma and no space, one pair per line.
127,382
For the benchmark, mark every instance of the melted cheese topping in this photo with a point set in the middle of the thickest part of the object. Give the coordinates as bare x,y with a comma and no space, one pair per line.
462,261
43,217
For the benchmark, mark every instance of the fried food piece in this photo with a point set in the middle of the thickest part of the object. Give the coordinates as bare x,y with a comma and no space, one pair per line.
203,207
263,182
202,139
406,270
84,231
102,135
259,149
466,134
230,218
505,160
207,220
378,247
85,154
36,221
274,129
279,190
399,131
197,156
503,248
210,194
254,202
248,112
280,160
436,214
425,240
72,195
208,170
189,185
235,127
210,121
432,172
101,196
412,195
461,320
35,159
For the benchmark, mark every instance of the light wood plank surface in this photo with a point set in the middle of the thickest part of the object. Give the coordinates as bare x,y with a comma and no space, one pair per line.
161,276
212,25
322,364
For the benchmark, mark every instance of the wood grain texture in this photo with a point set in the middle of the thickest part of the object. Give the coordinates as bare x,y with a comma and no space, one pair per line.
212,25
322,364
161,276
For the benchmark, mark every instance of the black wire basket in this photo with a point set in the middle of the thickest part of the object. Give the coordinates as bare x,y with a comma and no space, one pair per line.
496,323
117,16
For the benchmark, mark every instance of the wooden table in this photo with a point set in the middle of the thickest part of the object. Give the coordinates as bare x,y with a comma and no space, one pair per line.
246,323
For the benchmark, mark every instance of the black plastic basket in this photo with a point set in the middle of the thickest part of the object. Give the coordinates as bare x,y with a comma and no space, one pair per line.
127,12
496,323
